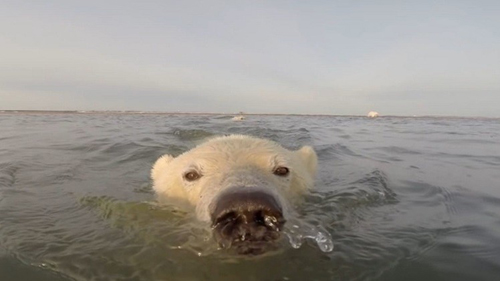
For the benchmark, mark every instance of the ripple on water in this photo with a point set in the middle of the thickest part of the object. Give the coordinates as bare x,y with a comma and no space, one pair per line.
380,214
191,134
179,230
8,173
361,216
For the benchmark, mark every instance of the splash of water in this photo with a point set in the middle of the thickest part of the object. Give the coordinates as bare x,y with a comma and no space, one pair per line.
298,231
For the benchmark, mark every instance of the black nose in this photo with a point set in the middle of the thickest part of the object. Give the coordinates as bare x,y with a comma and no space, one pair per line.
247,221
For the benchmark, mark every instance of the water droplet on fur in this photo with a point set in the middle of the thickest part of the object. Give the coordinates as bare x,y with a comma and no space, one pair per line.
271,222
225,243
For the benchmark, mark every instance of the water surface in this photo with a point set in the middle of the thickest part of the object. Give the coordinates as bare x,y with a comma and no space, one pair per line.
403,199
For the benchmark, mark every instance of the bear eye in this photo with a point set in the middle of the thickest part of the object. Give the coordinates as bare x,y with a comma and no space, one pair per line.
192,176
281,171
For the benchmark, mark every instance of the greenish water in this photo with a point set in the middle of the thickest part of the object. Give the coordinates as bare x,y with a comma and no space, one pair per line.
402,198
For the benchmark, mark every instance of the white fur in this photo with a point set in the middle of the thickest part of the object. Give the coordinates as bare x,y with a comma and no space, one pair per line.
235,161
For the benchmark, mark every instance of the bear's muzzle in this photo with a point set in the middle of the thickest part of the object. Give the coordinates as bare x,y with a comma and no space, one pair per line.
247,220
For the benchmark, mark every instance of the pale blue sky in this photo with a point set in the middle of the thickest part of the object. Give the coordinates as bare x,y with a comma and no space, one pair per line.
326,57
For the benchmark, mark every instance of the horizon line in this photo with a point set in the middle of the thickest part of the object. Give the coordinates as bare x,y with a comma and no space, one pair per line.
43,111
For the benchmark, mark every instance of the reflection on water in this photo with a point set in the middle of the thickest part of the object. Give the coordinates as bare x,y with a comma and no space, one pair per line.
396,199
178,229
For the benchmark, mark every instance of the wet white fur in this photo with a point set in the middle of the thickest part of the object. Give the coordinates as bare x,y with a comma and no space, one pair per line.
234,161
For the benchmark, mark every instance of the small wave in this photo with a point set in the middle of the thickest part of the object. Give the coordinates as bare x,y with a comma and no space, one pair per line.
336,150
191,134
8,174
181,231
159,224
397,150
298,231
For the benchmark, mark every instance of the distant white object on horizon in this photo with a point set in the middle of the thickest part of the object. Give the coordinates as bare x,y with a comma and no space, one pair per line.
238,118
373,114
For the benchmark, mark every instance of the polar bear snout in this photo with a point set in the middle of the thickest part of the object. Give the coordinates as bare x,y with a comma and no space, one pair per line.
247,220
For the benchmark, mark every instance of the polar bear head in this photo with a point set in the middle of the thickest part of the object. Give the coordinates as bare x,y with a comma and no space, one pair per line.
245,187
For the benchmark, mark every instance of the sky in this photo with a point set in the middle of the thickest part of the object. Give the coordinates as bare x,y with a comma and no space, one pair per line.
425,57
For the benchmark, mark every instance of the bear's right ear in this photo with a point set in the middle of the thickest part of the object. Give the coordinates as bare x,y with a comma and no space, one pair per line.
309,158
160,165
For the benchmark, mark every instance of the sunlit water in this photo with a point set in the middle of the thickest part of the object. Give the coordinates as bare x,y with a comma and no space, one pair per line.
395,199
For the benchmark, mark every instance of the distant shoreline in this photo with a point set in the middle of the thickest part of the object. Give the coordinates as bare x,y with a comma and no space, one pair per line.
136,112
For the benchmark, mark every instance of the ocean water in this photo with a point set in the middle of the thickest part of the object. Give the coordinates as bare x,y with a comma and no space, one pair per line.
402,198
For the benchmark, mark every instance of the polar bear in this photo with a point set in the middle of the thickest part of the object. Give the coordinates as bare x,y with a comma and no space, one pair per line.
238,118
245,187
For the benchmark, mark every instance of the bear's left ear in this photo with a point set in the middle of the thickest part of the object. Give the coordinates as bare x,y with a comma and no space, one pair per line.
309,158
160,165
